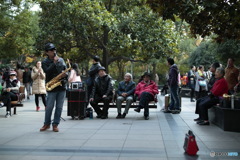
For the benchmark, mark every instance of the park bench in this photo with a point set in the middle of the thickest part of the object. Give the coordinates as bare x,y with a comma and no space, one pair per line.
18,103
226,118
152,104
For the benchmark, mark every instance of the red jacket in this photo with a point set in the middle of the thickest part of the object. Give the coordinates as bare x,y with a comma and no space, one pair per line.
220,87
143,87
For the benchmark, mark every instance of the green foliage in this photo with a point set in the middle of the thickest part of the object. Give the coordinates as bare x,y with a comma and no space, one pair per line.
20,28
205,54
229,49
117,30
204,16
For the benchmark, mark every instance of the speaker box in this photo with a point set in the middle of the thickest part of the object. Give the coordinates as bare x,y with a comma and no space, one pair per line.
77,104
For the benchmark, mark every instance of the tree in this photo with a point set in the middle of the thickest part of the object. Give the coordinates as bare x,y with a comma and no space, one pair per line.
204,16
20,28
204,54
117,30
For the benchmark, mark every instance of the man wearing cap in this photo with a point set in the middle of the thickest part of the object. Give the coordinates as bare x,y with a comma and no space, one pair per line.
53,66
93,73
10,91
145,90
102,91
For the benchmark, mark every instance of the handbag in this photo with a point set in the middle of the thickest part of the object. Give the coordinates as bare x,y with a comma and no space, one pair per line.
202,83
190,145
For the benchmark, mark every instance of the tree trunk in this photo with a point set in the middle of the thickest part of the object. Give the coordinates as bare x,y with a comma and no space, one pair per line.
105,50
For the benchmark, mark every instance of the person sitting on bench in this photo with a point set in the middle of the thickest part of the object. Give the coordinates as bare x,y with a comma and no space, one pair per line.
10,92
102,91
125,92
145,90
220,87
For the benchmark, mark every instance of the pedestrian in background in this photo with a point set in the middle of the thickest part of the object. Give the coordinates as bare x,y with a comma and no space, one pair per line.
38,86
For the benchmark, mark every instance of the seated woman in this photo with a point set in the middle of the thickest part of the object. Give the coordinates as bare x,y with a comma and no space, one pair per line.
10,91
219,88
145,90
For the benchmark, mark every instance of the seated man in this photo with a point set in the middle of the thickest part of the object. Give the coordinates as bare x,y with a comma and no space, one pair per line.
145,90
125,93
102,91
10,91
219,88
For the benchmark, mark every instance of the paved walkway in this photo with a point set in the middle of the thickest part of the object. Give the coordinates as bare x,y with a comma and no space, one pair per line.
133,138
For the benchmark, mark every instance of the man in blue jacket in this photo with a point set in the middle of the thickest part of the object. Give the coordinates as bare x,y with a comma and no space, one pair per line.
173,85
125,93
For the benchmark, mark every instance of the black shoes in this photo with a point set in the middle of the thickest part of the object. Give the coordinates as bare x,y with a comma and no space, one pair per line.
123,115
192,100
137,109
104,117
203,123
197,119
119,116
176,111
99,116
146,117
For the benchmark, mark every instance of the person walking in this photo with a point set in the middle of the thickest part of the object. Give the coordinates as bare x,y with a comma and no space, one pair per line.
54,66
27,80
38,86
191,82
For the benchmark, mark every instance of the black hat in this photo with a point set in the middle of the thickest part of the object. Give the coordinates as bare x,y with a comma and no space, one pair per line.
49,46
101,68
147,74
96,58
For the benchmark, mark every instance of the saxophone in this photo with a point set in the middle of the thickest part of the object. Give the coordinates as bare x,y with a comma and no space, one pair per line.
56,81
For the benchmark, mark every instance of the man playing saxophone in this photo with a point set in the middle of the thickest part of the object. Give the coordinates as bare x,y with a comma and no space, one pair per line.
56,71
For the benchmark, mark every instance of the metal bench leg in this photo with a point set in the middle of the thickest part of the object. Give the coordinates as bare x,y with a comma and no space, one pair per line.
14,110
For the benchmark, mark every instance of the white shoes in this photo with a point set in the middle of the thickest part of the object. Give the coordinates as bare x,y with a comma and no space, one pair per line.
7,114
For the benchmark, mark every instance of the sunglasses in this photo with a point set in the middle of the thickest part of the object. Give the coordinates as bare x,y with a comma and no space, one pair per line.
51,49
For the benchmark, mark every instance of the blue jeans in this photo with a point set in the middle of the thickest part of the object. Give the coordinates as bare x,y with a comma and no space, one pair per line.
174,98
53,97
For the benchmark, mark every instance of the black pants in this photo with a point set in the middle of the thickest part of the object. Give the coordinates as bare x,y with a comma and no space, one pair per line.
197,110
7,98
206,103
145,98
37,99
192,93
105,101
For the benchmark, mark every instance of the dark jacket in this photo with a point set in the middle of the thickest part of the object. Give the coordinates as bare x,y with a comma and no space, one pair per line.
128,88
211,82
27,77
52,70
102,86
93,73
173,75
191,79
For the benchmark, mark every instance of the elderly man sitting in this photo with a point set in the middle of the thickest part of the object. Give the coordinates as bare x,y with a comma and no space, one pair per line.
125,93
145,90
219,88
